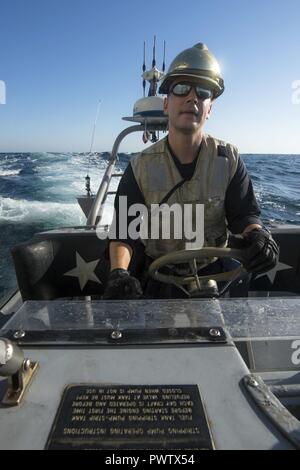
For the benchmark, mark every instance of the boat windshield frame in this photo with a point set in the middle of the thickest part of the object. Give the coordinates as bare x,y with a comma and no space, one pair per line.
168,321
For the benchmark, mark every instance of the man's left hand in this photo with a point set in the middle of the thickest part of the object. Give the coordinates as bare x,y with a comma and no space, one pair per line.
261,253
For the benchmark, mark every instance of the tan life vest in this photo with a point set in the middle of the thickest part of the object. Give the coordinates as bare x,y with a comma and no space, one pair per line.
156,175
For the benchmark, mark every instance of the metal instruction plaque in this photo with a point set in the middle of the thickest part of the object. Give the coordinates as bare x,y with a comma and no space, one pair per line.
130,417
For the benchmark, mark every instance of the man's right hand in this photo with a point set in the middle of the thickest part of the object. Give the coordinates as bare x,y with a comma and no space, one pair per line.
121,285
260,250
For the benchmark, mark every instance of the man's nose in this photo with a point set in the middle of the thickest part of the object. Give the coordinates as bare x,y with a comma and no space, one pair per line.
192,96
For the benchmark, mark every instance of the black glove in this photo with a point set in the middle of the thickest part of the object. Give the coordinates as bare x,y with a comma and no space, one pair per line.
261,253
121,285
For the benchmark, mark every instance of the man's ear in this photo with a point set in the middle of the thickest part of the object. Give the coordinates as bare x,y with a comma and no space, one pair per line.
166,105
209,110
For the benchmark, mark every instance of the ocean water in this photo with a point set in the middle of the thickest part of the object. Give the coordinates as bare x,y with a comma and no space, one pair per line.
38,192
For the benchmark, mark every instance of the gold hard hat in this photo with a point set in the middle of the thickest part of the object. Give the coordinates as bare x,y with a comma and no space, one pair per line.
198,62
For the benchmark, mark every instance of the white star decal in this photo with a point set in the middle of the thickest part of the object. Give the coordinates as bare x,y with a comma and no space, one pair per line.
271,274
84,271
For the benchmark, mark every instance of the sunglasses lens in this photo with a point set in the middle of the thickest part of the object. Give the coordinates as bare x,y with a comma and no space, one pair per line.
181,89
202,93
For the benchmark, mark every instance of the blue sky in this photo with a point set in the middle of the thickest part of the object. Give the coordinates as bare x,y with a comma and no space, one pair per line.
59,57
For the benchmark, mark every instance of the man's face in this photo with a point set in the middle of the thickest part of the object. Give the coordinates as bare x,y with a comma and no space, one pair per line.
187,114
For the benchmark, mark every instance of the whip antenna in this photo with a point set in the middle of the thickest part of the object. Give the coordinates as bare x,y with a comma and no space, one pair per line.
95,123
154,61
87,178
144,68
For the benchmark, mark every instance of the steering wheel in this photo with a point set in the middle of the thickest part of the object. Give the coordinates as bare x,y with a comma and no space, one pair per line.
191,257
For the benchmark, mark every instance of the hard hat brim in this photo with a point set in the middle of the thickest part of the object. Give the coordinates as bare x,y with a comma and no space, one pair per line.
217,87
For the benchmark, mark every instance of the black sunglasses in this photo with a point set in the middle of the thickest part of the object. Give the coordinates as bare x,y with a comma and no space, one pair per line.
183,89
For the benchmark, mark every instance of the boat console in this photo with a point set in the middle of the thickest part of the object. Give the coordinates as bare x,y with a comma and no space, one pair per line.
154,374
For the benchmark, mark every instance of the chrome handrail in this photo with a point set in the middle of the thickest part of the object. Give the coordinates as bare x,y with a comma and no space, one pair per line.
96,211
